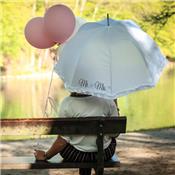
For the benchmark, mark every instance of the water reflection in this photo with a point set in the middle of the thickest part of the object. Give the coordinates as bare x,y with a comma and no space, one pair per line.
26,97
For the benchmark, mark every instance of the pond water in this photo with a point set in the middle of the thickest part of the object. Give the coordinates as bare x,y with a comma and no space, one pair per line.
23,97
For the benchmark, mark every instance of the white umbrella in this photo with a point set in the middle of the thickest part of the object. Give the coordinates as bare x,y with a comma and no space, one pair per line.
110,58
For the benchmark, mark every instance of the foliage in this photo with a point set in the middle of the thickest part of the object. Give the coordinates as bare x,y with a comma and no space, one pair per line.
157,18
163,24
12,27
15,15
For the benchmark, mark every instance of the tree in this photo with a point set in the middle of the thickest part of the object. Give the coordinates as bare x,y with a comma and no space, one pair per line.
155,17
163,23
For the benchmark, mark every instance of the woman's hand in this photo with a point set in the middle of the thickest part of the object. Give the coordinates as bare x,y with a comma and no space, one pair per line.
56,147
40,155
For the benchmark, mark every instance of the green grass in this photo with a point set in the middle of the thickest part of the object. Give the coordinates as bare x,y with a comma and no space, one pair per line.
153,108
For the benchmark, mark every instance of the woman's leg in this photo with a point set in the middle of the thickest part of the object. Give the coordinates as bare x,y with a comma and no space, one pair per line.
85,171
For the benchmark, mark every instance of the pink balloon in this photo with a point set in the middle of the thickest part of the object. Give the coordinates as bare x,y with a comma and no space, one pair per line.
36,35
59,22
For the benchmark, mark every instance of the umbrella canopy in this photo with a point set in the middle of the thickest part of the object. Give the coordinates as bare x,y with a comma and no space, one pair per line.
110,58
78,23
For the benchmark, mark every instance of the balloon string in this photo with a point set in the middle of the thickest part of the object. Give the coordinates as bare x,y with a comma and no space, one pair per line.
53,105
48,99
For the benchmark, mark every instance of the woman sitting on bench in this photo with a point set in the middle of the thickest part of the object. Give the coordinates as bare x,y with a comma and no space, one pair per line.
82,148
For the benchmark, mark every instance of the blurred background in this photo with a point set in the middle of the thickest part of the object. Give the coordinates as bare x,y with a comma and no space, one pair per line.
26,71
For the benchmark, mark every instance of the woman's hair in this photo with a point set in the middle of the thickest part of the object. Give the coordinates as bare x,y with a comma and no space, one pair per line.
75,94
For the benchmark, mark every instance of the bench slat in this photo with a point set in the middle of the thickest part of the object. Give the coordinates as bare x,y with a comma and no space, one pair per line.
55,162
64,126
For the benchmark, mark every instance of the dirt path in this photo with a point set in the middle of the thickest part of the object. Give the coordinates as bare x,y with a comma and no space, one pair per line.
141,153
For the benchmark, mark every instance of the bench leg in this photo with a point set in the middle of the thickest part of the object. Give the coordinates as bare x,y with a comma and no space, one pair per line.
85,171
99,171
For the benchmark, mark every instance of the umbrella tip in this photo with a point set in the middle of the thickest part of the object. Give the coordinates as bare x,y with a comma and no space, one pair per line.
108,19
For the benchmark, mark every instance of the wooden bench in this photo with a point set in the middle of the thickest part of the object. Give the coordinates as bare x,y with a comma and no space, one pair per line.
98,126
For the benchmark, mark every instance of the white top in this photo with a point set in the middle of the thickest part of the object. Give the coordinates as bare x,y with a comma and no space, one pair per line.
83,107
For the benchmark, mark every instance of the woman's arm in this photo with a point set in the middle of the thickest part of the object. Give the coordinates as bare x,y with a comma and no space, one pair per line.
56,147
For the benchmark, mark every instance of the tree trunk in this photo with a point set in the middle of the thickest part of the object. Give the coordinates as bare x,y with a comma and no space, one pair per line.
83,3
46,4
96,9
32,57
76,6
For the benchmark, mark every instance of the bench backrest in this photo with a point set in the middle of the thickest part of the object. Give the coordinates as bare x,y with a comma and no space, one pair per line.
63,126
